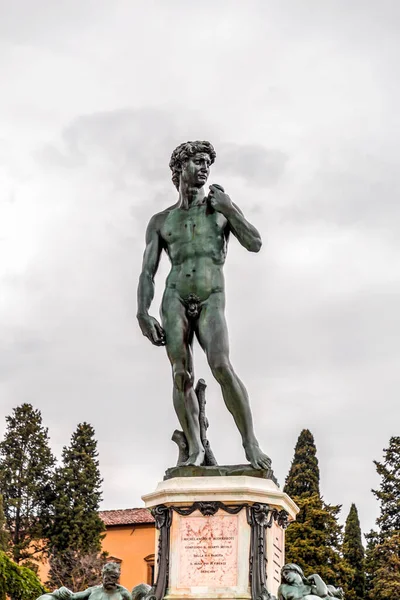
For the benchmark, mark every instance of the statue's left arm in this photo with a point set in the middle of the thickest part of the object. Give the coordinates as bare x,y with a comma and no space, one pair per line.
125,594
244,231
318,586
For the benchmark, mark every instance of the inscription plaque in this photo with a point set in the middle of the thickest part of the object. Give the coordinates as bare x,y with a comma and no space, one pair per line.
208,551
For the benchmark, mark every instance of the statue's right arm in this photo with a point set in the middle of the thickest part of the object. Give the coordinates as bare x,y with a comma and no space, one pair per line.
82,595
64,593
280,593
149,325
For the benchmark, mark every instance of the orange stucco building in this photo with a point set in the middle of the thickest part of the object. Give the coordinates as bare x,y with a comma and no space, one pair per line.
129,540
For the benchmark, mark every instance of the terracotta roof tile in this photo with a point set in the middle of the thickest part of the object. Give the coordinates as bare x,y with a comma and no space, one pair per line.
126,516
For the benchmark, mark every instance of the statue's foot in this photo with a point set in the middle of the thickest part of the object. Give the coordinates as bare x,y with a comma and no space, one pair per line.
196,459
256,457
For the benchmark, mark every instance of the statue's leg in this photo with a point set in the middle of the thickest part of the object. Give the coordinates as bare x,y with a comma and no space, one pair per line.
179,339
212,334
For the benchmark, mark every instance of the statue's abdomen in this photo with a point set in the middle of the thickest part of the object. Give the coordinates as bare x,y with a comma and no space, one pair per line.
196,246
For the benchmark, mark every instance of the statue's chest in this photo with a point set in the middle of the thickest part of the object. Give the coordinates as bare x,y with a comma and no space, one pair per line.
101,594
191,225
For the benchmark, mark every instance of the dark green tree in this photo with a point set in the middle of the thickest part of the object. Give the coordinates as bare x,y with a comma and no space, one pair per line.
77,529
353,554
16,582
389,491
303,476
314,540
384,584
383,549
26,476
4,535
372,541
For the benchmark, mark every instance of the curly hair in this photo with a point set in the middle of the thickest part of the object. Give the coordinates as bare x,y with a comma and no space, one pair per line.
112,567
185,151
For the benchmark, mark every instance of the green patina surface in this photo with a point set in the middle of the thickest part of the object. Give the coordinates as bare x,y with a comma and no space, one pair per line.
194,233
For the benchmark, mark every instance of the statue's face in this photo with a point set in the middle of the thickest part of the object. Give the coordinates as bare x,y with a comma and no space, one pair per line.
196,169
291,577
110,579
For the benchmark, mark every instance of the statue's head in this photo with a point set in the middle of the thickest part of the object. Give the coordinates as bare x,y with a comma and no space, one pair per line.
110,572
292,574
190,162
140,591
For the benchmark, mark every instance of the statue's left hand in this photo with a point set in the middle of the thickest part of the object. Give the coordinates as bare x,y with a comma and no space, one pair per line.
218,200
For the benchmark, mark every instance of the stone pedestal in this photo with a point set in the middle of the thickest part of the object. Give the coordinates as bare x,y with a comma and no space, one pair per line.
219,537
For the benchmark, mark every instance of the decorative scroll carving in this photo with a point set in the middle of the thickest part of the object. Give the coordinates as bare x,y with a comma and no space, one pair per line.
281,517
208,509
259,517
163,518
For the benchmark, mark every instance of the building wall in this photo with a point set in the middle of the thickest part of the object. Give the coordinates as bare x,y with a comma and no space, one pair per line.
132,544
43,571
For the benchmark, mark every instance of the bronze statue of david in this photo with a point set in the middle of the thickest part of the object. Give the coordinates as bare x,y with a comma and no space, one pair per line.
194,233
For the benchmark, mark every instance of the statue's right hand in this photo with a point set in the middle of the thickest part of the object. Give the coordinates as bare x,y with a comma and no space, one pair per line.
64,593
152,329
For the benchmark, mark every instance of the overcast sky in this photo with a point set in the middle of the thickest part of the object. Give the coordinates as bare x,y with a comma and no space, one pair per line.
301,101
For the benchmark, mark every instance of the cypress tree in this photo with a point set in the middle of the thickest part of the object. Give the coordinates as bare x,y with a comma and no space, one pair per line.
313,541
372,541
389,491
384,583
77,528
26,474
303,476
353,554
4,535
383,549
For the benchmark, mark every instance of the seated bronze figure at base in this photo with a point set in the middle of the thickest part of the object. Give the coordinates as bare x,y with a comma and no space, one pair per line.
109,588
295,586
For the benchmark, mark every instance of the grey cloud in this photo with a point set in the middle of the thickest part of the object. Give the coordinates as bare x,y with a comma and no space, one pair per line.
347,332
138,143
20,347
41,22
330,338
132,143
13,174
257,165
357,190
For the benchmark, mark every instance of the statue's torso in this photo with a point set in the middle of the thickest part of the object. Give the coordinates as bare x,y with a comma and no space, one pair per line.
294,592
196,243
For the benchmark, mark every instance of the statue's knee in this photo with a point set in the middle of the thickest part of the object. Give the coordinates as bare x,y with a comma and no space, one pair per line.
221,370
182,379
